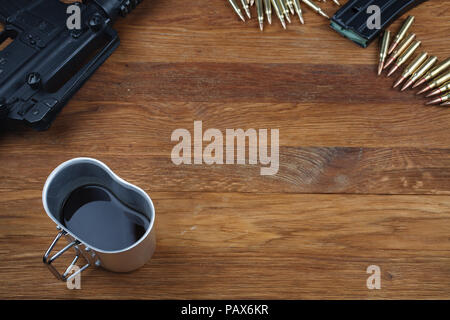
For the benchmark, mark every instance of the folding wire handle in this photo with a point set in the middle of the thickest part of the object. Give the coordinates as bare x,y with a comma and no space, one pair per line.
48,260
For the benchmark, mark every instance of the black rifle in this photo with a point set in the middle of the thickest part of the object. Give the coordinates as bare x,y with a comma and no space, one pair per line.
47,62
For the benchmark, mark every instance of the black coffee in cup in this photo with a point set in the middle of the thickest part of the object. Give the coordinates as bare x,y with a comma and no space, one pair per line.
99,218
104,219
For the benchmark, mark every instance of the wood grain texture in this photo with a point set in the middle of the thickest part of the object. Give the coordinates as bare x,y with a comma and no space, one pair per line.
364,172
235,245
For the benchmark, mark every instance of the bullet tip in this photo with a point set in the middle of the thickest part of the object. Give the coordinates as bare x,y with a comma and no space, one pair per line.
423,90
433,93
391,72
407,85
436,101
380,67
241,15
247,11
399,81
418,83
301,19
393,46
323,14
388,63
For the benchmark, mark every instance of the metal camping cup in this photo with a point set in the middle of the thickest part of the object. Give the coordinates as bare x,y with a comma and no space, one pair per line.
80,172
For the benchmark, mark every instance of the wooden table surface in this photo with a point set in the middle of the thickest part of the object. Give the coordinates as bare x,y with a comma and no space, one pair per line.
364,175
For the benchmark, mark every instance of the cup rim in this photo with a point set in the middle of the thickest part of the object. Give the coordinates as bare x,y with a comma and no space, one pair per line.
113,176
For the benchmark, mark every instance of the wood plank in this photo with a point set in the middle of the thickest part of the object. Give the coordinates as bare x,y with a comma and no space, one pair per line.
238,82
216,245
301,170
151,123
